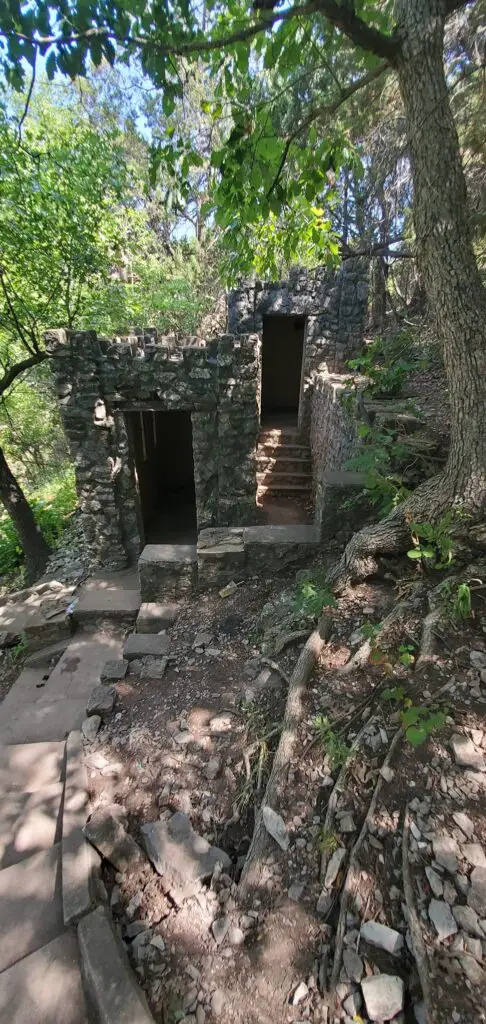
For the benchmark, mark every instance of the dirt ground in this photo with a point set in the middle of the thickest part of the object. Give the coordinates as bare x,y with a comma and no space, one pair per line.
201,740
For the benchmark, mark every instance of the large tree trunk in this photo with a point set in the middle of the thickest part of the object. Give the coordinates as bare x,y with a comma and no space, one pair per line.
443,240
453,286
35,548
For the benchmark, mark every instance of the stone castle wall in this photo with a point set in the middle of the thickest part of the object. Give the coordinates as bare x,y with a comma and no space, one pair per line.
334,304
99,379
333,435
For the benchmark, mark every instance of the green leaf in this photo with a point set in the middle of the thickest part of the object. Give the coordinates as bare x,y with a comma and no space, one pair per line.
416,735
414,553
51,65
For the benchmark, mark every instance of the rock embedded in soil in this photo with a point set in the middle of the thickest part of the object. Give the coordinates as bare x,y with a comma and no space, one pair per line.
154,668
217,1002
114,671
352,1004
301,993
384,996
106,832
473,971
91,727
212,768
478,659
476,896
474,855
334,866
275,827
446,852
441,916
382,936
464,822
221,723
465,753
101,701
353,965
178,853
434,881
219,929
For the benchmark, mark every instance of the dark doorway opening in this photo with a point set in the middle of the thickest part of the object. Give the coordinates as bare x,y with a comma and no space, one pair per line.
282,351
162,448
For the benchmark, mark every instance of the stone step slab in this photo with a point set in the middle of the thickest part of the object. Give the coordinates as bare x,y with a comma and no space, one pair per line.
110,983
167,571
107,604
154,616
30,905
45,987
146,645
29,823
29,767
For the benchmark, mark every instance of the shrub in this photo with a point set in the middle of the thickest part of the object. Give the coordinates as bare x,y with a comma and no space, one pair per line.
52,505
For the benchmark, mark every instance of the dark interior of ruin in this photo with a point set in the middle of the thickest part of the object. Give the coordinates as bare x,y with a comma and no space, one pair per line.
282,349
162,447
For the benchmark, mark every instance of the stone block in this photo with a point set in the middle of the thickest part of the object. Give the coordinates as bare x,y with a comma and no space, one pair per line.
179,854
110,984
154,616
101,701
167,571
146,645
106,831
113,671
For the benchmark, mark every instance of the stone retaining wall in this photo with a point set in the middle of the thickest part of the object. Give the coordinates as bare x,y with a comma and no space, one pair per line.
332,437
99,379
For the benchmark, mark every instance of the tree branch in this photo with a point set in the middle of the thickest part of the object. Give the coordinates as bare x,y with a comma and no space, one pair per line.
29,97
177,50
18,368
365,36
326,111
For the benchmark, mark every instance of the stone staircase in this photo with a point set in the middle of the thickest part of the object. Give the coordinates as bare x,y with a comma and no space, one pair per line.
284,464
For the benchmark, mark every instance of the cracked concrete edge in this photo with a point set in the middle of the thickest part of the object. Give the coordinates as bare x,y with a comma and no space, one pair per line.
112,992
80,861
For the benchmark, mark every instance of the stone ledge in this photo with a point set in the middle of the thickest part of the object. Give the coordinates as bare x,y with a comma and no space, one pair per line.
111,988
79,861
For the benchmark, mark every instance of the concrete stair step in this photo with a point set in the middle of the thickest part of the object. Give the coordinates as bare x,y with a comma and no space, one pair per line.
167,571
276,488
278,476
107,603
284,464
30,905
30,767
279,433
45,987
29,823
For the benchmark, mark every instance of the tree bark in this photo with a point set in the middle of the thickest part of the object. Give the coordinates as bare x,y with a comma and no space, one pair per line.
35,547
453,287
443,241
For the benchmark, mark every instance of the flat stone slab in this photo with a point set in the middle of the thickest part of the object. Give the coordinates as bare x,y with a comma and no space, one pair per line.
154,616
167,553
43,721
113,671
45,987
46,656
30,905
146,645
178,853
101,701
105,603
28,767
110,983
465,753
106,831
39,612
29,823
384,996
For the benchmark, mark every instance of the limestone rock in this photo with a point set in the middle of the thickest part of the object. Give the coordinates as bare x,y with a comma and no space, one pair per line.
275,827
101,701
300,994
476,896
334,866
217,1002
446,852
382,936
434,881
383,995
467,919
478,659
219,929
473,971
474,855
178,853
154,668
105,830
441,916
464,822
466,753
353,965
212,768
90,727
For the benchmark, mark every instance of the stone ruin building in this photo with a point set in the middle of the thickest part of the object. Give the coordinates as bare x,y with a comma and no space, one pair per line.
207,459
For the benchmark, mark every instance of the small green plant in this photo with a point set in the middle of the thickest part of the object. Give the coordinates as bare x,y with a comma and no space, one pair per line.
386,364
406,656
434,544
328,841
312,598
395,695
456,600
331,742
419,723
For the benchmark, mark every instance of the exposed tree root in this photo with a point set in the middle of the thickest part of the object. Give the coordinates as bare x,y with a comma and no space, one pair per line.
418,945
387,628
352,876
252,874
336,792
391,536
428,642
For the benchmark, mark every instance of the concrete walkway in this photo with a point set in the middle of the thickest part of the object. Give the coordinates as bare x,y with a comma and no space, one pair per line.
40,979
